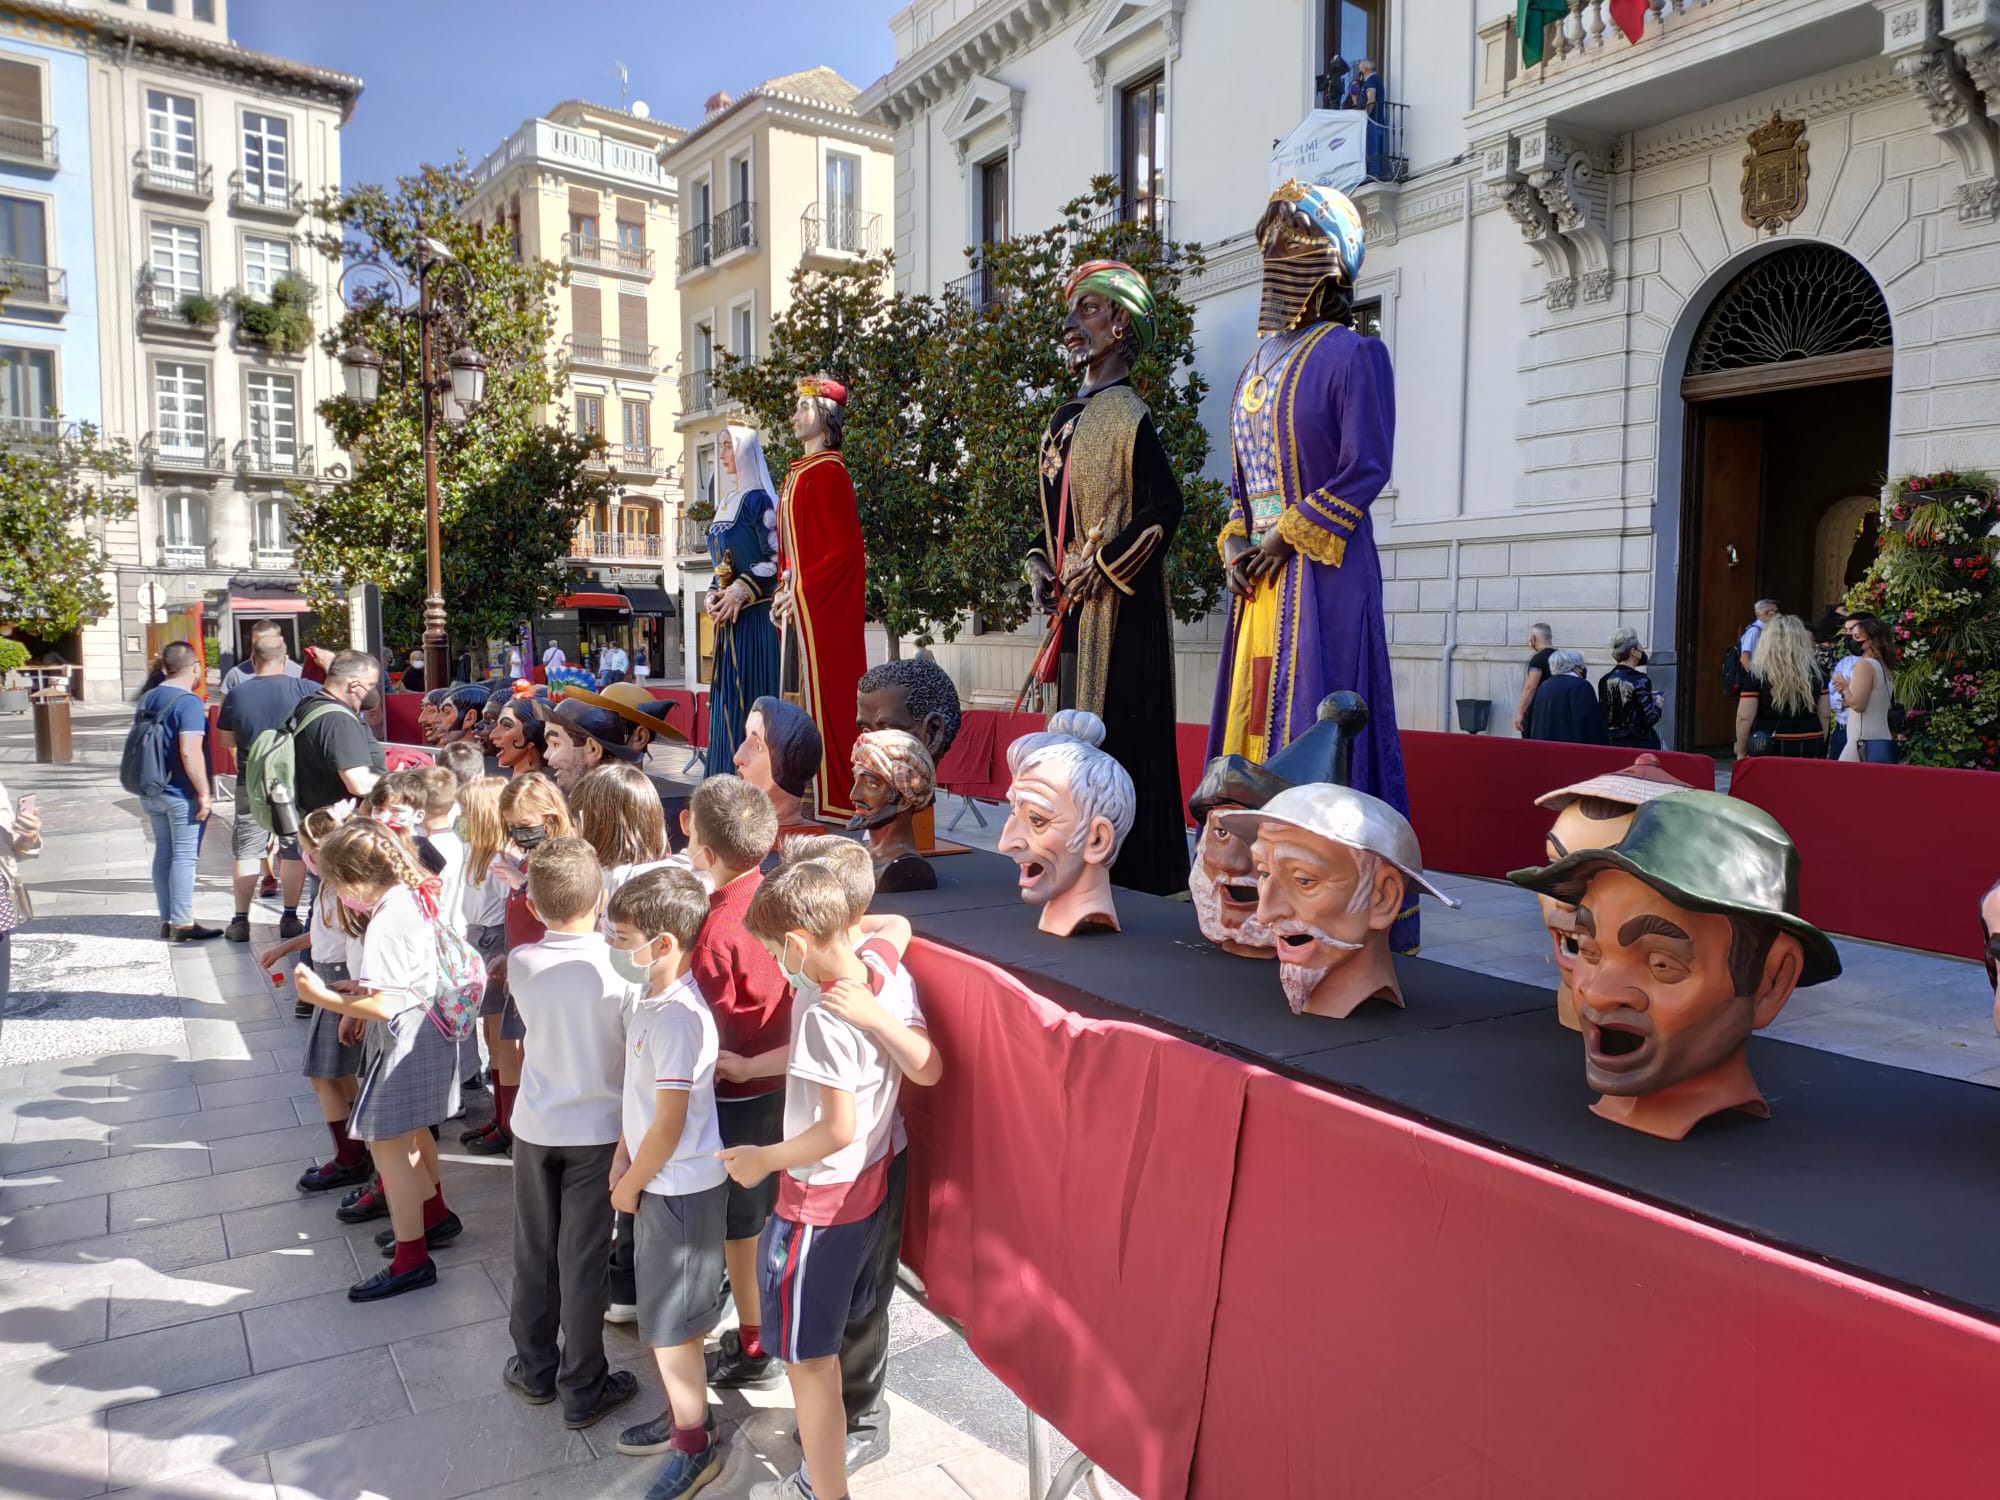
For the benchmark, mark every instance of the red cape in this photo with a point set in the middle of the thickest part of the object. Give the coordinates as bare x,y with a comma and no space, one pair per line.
819,547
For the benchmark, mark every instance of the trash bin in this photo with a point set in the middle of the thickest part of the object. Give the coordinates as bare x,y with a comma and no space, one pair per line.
52,741
1474,714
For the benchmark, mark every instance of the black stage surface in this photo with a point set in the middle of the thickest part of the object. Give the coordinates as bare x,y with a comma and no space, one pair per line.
1879,1170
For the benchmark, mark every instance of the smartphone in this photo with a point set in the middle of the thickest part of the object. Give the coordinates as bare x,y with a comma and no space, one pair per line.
27,805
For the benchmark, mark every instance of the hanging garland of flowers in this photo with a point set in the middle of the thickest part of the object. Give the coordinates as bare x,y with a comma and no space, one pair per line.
1934,581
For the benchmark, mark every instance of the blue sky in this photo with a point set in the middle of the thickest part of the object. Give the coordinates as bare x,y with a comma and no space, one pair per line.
445,74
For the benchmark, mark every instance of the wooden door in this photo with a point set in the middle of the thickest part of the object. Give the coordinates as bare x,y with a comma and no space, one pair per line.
1728,511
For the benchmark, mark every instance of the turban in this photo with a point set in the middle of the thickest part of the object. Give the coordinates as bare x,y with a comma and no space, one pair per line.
1124,286
900,759
1311,235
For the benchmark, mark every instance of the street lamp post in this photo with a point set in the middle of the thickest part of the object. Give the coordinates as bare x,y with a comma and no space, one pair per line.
451,394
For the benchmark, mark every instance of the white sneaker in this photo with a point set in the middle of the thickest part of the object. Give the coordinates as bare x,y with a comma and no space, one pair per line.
621,1312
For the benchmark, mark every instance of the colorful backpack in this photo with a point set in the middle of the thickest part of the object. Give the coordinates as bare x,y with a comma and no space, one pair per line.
461,976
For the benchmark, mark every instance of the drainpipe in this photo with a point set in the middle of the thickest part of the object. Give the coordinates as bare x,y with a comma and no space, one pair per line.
1445,666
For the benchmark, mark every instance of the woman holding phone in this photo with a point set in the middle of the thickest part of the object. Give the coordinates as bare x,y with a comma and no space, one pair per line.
20,838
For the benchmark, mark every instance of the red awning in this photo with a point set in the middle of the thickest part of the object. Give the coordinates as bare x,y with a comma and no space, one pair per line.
238,604
617,603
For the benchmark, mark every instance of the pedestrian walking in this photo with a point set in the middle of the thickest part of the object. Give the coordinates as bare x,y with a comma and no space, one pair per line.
179,809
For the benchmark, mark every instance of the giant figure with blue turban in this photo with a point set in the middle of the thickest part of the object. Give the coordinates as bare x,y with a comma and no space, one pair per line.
1110,507
1312,426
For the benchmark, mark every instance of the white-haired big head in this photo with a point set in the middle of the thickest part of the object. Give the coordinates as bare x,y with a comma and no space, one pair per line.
1070,807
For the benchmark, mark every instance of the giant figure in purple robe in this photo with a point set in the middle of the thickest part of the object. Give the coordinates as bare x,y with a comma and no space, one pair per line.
1312,428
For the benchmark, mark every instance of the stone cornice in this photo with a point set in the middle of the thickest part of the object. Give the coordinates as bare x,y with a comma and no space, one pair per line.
741,118
981,42
1716,130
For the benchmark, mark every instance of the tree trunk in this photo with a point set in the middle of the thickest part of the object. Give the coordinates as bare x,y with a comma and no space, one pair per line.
895,644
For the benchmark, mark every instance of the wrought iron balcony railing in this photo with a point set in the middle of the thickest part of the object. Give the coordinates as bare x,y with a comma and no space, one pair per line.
277,460
596,251
186,452
697,249
27,284
840,231
28,142
280,200
183,555
615,354
735,228
173,176
697,390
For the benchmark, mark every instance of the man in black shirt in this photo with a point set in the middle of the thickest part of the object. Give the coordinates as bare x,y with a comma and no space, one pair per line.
262,701
1541,641
335,756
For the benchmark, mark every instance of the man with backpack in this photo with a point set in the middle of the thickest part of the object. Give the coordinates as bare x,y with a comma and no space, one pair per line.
334,754
259,703
166,766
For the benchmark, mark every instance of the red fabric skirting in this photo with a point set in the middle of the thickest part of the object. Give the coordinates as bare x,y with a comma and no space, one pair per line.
400,717
968,763
1070,1180
1898,854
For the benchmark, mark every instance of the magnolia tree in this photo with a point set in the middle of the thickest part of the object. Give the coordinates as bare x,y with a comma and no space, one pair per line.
947,401
512,489
55,497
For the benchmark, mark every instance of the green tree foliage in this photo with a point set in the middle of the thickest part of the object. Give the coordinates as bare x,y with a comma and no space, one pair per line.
54,497
282,321
512,489
947,402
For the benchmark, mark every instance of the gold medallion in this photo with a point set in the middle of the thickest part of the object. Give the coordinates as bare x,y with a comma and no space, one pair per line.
1256,391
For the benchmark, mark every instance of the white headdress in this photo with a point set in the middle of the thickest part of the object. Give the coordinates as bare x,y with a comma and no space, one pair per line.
752,473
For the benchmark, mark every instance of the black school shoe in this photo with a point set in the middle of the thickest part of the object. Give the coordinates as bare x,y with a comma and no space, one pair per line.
619,1387
730,1369
443,1232
490,1143
331,1174
290,927
364,1203
387,1284
657,1436
512,1376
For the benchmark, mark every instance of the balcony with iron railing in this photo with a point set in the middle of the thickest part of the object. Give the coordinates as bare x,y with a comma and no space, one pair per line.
271,200
976,288
1695,54
184,452
28,143
33,432
595,250
611,354
183,554
280,461
630,459
697,252
1128,221
839,232
273,559
697,391
692,536
735,229
184,312
613,546
168,176
25,284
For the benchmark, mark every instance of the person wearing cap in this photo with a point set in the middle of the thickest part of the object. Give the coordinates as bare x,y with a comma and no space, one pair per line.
1593,814
1688,939
1312,428
1625,694
583,731
820,603
1110,505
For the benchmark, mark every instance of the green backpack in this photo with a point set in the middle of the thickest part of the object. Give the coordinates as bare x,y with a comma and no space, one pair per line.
271,761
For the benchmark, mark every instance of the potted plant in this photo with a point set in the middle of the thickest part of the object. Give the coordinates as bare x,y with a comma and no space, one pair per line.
13,686
283,321
199,310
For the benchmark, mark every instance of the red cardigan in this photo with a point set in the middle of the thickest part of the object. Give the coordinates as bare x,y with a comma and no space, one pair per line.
745,989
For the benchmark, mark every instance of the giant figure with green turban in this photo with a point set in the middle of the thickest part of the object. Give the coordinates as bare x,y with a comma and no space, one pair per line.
1110,507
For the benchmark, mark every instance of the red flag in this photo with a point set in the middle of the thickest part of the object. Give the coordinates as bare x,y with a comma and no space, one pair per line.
1630,16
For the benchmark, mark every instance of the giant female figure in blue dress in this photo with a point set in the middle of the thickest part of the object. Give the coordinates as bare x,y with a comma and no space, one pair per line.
1312,431
743,545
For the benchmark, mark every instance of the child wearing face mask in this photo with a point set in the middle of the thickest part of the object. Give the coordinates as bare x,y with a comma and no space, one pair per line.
332,1065
485,910
533,810
666,1175
731,830
566,1123
411,1080
832,1166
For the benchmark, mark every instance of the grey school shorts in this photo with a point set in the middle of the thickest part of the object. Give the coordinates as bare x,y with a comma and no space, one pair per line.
248,839
679,1265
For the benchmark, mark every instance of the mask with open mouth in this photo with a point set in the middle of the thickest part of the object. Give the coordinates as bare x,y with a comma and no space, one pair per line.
1069,808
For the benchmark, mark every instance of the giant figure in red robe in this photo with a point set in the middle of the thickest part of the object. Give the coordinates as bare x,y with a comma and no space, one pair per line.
820,601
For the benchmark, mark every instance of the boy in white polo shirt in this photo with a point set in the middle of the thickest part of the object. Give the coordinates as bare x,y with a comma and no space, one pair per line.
815,1263
566,1125
666,1174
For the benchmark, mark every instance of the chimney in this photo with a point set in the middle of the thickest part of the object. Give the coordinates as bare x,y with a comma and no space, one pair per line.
718,100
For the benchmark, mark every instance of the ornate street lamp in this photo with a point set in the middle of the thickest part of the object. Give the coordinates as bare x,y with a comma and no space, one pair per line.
452,393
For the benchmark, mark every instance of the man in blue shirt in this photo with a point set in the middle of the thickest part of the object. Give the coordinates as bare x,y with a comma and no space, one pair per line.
180,812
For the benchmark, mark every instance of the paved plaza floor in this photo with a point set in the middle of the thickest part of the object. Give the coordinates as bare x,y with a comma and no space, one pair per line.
173,1319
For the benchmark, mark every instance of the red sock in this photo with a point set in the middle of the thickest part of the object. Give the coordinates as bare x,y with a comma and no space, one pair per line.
692,1439
503,1103
409,1255
434,1209
346,1150
751,1336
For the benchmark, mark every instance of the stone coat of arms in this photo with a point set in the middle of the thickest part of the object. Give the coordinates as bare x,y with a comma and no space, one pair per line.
1774,174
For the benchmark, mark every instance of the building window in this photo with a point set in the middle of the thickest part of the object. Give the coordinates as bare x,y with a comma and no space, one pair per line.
184,523
24,233
631,236
274,527
743,331
181,418
176,264
583,227
267,158
20,104
1351,31
163,7
265,264
638,428
993,202
739,180
204,10
841,219
1368,318
590,415
274,419
170,153
638,520
703,358
27,392
1142,136
704,470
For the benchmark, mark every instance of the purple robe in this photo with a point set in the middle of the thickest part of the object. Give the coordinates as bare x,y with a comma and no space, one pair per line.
1325,451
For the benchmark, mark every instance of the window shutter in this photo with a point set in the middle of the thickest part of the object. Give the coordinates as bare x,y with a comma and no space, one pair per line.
586,312
585,201
632,320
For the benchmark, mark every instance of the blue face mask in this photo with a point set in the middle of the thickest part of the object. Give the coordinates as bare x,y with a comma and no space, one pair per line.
629,966
805,988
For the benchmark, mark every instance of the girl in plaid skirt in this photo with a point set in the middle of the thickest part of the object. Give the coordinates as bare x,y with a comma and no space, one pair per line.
411,1080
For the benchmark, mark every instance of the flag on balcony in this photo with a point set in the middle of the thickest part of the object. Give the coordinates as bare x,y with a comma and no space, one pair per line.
1631,17
1531,17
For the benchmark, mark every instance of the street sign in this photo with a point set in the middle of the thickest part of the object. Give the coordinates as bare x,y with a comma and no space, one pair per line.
1328,148
364,619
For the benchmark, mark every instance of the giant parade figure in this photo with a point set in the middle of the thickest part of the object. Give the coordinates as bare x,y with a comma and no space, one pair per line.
1311,430
743,546
1110,506
820,599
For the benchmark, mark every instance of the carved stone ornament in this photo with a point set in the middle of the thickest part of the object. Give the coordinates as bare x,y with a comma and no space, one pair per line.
1774,174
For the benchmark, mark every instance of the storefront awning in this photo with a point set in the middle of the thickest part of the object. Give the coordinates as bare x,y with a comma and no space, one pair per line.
649,601
602,600
255,597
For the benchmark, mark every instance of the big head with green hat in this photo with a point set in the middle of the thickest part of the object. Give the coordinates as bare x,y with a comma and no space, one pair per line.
1688,939
1112,315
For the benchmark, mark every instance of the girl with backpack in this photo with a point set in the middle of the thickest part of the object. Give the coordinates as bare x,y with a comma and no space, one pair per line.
410,1082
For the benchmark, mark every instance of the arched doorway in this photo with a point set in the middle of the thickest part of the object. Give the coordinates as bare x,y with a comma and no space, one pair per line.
1786,390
